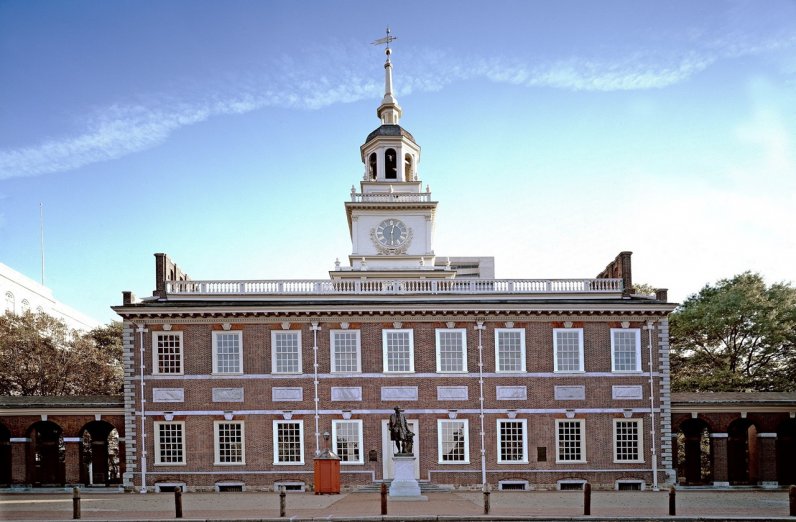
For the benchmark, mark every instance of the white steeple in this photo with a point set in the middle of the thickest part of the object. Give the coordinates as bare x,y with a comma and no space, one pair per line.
389,112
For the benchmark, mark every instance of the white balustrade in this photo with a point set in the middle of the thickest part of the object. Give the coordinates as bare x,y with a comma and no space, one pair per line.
401,197
395,287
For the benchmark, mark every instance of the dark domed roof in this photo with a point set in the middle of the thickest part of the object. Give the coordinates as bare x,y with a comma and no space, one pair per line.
390,130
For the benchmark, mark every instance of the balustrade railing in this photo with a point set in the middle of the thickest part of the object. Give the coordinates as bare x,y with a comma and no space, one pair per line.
379,197
396,287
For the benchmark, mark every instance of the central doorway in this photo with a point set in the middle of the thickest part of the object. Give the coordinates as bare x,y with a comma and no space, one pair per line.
388,448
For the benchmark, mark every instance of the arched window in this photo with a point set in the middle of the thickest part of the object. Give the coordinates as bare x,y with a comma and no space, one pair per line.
9,302
25,306
390,164
372,166
408,170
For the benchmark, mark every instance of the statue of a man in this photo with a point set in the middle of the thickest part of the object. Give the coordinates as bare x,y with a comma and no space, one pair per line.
400,433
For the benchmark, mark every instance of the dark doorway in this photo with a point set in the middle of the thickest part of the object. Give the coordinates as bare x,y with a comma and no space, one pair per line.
5,456
694,459
786,452
99,454
742,452
46,454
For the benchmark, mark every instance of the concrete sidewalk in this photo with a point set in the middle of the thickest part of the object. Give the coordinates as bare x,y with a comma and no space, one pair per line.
720,505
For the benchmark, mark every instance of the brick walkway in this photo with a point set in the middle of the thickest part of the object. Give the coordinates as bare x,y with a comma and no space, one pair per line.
742,505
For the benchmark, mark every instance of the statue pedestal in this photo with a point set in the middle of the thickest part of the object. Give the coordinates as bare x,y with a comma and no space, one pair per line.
404,483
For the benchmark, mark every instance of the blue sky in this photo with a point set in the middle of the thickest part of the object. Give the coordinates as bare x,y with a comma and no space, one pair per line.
554,135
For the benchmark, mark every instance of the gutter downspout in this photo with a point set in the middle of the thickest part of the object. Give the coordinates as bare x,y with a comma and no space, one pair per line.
480,327
653,430
315,329
141,331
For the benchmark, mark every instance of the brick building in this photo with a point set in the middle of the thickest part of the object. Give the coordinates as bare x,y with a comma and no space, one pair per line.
53,441
521,384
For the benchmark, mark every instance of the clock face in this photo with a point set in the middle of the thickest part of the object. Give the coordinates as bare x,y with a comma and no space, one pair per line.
392,233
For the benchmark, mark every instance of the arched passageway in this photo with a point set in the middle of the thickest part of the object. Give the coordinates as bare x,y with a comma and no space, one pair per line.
742,461
46,454
786,452
5,456
99,454
694,456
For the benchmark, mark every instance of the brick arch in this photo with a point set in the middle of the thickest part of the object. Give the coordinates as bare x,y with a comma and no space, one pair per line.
742,453
693,450
5,455
786,452
46,454
100,454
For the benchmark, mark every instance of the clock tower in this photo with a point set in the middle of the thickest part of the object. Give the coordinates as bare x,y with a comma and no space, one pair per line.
391,217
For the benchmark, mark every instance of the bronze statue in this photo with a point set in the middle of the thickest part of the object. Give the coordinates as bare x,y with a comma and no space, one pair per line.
400,433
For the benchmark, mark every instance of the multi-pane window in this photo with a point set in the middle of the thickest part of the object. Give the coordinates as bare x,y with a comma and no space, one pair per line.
512,441
626,349
288,442
510,349
451,350
568,349
286,351
230,442
347,436
10,302
453,442
227,352
169,443
628,440
167,352
569,441
398,351
345,351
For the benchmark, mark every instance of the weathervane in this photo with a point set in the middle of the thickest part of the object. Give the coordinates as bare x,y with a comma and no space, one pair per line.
386,40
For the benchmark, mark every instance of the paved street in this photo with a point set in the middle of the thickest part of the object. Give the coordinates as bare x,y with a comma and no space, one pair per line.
451,506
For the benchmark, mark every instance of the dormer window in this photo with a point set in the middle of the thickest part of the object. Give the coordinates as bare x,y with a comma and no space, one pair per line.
390,164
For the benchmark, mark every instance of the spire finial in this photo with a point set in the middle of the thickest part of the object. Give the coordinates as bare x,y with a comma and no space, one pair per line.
389,111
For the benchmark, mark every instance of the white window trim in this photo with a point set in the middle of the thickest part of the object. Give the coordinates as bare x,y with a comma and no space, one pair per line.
332,347
463,334
640,423
524,423
276,445
466,431
158,461
582,442
216,448
638,350
384,334
297,333
522,353
155,365
360,441
215,351
580,350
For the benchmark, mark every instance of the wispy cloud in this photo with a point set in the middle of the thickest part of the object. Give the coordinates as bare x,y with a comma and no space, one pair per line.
340,75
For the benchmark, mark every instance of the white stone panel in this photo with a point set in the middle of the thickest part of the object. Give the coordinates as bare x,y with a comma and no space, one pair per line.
227,394
168,395
451,393
511,393
627,392
570,393
287,394
347,394
399,393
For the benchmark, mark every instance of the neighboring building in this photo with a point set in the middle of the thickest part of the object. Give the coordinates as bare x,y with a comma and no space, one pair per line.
21,294
53,441
527,383
734,439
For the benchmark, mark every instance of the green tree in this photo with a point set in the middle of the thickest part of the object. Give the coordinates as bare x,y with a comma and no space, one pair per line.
40,355
737,335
